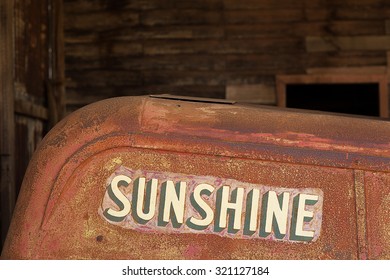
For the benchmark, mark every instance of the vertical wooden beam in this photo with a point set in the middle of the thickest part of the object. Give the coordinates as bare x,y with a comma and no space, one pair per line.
60,58
56,62
7,122
280,92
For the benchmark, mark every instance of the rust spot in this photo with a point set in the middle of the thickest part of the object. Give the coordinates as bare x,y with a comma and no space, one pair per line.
99,238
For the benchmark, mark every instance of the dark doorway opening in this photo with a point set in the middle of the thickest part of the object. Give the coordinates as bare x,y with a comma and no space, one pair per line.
359,99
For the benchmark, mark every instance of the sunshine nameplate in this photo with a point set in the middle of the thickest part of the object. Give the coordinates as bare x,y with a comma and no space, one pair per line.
165,202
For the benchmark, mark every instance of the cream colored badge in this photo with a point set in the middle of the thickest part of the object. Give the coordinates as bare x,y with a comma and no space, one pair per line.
167,202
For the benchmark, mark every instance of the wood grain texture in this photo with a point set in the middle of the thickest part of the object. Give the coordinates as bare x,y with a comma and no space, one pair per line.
347,43
7,128
27,36
218,43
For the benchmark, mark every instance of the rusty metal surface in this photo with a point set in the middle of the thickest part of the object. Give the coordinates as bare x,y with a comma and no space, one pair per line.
345,160
378,214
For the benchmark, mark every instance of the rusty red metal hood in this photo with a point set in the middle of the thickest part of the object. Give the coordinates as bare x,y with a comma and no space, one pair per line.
345,160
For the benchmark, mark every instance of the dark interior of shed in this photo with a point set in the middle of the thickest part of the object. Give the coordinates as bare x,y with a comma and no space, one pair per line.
357,99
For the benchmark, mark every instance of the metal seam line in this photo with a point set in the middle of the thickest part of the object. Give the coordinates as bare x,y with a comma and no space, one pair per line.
361,214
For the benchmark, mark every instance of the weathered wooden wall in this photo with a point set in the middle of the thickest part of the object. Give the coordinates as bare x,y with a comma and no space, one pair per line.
7,148
31,89
30,80
215,47
26,106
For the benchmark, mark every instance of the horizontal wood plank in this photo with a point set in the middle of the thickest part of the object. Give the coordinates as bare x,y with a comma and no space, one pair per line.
103,49
303,29
269,45
88,6
347,43
187,78
30,109
267,64
257,93
263,16
206,62
346,59
272,4
261,4
348,70
101,20
146,33
104,78
181,17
